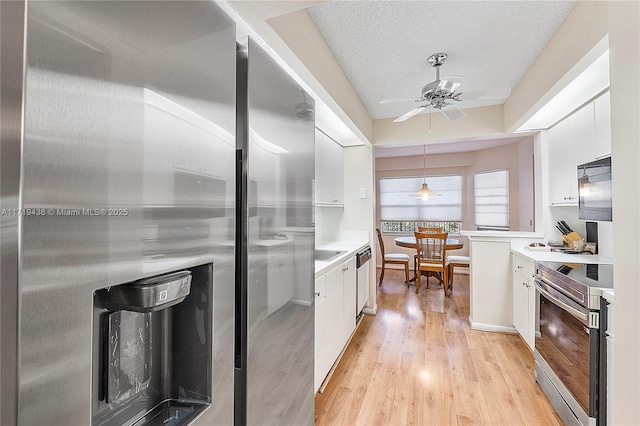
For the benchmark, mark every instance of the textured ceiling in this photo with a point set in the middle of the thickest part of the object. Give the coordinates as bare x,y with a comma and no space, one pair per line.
383,46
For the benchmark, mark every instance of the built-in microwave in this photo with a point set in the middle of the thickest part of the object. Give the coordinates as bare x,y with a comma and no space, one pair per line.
594,191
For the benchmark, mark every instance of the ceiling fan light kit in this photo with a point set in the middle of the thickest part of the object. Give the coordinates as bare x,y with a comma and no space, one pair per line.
441,94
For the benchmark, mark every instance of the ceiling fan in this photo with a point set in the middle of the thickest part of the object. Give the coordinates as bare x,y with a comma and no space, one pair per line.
304,110
441,94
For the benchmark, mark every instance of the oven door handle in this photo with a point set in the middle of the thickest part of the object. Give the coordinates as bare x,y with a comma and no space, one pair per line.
583,316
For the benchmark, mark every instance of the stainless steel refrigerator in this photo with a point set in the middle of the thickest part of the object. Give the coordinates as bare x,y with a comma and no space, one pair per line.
275,314
120,258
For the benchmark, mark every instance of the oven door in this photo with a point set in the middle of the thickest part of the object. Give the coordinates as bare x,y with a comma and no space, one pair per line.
568,342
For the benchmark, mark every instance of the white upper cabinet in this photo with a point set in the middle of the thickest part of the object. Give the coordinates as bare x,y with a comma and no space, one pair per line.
562,188
329,171
581,138
602,114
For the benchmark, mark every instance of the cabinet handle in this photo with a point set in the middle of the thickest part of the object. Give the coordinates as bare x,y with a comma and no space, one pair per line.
519,266
317,293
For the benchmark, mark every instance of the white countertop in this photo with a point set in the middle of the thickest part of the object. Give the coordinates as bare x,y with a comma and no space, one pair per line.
552,256
500,234
350,248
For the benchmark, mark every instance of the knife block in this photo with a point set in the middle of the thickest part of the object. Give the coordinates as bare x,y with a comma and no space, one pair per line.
573,240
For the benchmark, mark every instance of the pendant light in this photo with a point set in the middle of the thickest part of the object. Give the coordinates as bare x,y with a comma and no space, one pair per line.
424,193
584,184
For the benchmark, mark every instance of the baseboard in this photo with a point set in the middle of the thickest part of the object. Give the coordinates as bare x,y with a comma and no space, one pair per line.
491,327
371,311
394,266
461,270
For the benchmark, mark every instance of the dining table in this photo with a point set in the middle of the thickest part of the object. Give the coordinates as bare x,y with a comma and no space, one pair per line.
410,242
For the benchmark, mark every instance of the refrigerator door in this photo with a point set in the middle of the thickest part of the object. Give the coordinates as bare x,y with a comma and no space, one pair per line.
128,152
279,160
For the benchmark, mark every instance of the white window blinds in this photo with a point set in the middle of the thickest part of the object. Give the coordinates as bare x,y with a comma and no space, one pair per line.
491,195
397,202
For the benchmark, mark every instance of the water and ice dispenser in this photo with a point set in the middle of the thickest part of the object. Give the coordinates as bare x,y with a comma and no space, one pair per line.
152,349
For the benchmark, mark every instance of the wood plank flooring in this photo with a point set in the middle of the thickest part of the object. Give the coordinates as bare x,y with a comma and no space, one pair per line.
417,363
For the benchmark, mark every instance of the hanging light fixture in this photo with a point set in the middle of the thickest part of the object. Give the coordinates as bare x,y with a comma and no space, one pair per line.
424,193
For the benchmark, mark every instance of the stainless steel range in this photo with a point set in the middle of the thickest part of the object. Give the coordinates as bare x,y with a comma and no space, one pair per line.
568,349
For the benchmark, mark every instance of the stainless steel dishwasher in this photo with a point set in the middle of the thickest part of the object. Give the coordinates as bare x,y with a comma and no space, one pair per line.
362,278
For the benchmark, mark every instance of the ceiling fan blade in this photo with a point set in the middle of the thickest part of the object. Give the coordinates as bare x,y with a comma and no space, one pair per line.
409,114
490,94
453,113
454,78
396,101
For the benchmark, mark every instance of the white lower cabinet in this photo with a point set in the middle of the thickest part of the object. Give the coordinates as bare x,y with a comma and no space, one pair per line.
335,315
334,302
524,299
320,334
349,301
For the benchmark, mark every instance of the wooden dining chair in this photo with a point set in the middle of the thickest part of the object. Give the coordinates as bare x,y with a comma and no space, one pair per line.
430,229
432,257
454,261
396,258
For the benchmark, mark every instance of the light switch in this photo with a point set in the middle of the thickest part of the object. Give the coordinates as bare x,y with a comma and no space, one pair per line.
363,193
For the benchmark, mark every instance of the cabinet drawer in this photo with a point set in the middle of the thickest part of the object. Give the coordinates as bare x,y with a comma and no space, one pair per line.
523,266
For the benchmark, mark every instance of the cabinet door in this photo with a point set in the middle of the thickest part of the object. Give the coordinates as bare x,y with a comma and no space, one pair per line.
334,306
582,139
349,299
332,172
558,150
320,335
520,299
524,299
528,276
602,114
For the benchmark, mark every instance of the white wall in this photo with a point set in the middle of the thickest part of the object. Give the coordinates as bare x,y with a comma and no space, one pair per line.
358,211
466,164
517,158
624,45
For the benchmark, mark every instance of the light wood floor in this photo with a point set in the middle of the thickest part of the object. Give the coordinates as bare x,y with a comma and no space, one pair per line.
417,363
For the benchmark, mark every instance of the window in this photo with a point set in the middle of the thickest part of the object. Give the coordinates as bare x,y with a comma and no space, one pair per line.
400,211
387,226
491,196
